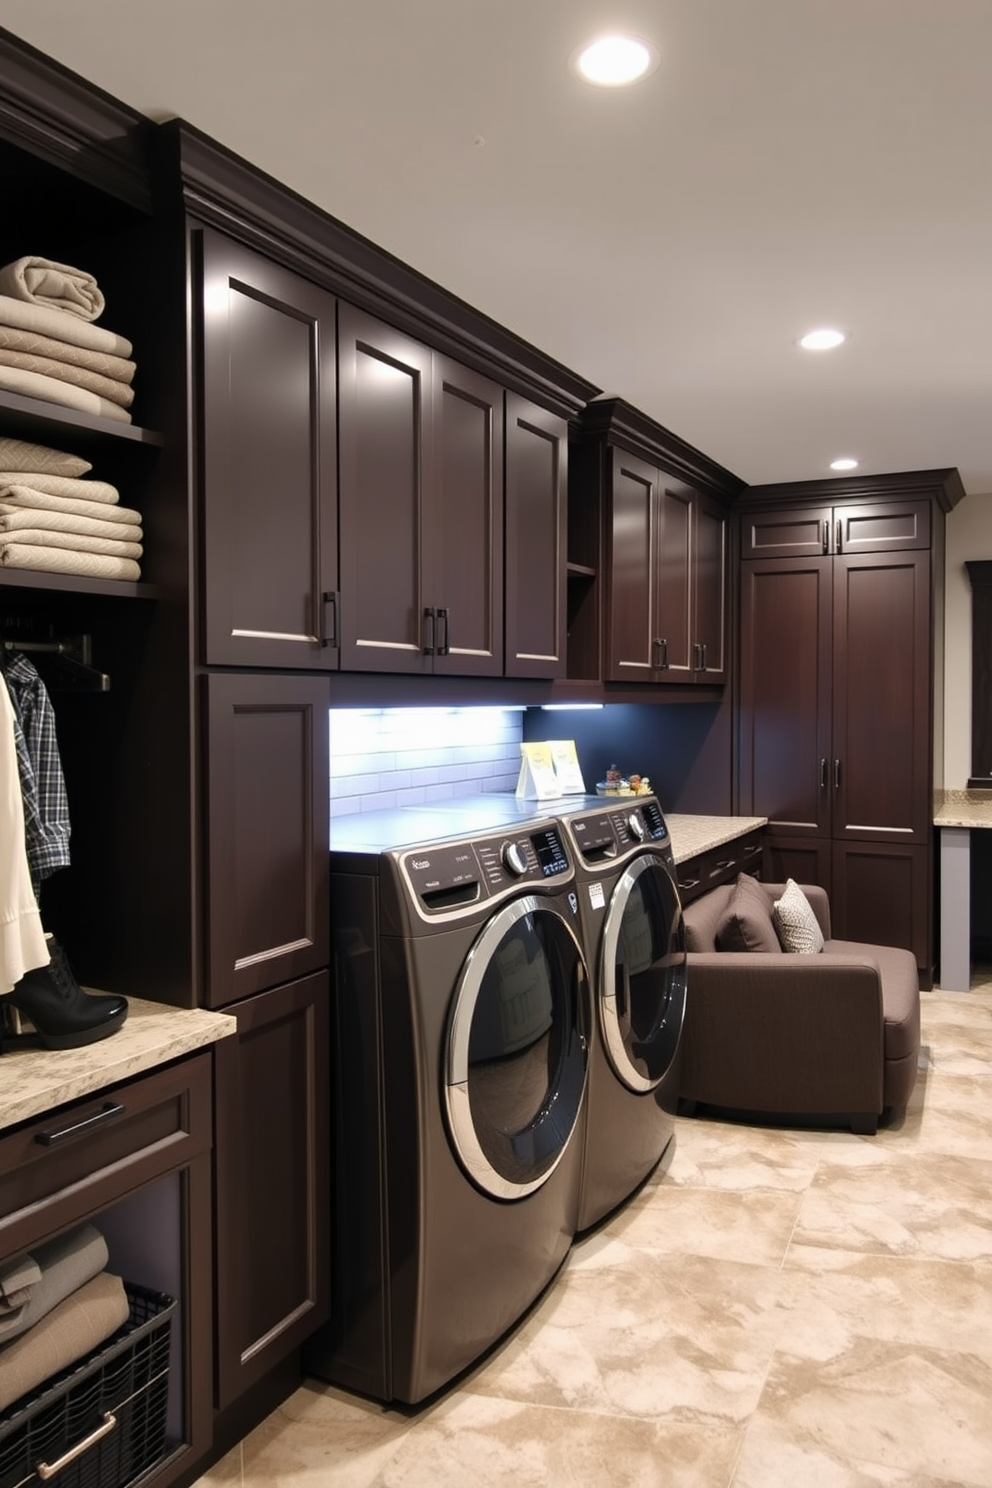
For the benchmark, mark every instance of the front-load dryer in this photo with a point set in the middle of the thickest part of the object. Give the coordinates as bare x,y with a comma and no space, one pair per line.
459,1059
635,945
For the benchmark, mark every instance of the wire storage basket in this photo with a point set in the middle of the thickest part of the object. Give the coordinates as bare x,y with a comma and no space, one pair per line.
102,1422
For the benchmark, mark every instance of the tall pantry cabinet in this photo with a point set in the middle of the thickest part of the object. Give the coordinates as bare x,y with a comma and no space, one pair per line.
840,693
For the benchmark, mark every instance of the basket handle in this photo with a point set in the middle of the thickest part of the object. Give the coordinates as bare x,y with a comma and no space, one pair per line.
46,1470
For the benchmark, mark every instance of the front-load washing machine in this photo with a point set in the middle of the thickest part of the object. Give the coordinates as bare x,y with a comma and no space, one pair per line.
635,945
460,1036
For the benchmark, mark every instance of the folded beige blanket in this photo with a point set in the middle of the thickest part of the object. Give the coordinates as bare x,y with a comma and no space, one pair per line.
62,485
18,1278
19,518
106,387
42,281
34,385
71,1330
76,542
101,511
34,344
64,1265
19,454
63,560
62,326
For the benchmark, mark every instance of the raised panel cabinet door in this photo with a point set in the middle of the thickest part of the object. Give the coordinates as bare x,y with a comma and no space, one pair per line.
633,644
882,698
882,894
268,433
672,625
384,433
808,860
536,473
273,1177
709,579
785,694
267,916
883,527
464,546
802,532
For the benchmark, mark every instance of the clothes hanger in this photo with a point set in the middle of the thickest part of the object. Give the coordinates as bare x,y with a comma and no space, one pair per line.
66,664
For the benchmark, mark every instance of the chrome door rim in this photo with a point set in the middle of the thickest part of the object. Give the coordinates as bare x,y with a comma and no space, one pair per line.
616,1050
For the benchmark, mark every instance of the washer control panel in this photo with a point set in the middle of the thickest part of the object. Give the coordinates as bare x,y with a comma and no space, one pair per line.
603,836
446,877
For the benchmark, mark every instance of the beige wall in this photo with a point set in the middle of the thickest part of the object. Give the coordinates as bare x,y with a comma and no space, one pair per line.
969,535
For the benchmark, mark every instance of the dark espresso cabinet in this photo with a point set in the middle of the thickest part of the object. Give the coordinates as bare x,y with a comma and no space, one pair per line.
838,672
536,535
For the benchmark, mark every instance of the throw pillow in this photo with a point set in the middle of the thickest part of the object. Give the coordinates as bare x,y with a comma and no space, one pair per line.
747,924
797,925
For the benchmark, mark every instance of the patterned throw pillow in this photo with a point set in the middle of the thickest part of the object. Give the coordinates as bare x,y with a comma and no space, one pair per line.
797,925
746,924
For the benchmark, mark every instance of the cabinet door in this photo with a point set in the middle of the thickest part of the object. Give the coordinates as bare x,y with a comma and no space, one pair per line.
273,1180
384,430
267,431
785,694
631,652
881,893
709,585
892,526
880,763
267,916
536,473
789,533
463,546
673,604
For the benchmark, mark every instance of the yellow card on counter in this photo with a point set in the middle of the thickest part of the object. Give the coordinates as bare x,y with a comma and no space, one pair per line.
566,767
537,780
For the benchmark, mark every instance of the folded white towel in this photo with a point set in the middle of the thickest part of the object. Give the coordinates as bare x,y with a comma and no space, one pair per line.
34,385
42,281
20,518
101,511
76,542
62,560
61,485
95,382
20,454
119,368
62,326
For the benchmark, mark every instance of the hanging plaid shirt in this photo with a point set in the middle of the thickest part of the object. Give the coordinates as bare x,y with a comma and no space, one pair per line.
46,805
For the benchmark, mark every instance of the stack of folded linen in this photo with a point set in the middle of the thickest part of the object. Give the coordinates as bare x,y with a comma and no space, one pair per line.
57,1303
54,519
49,346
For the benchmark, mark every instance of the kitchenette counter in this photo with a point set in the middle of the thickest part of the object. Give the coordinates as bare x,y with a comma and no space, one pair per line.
35,1080
692,835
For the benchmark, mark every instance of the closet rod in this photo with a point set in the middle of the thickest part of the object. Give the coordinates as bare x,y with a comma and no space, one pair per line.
72,662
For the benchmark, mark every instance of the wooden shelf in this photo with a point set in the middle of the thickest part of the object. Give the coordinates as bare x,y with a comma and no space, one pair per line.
34,419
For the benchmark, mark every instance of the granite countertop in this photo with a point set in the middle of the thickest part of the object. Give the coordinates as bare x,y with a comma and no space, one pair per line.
692,835
963,808
34,1081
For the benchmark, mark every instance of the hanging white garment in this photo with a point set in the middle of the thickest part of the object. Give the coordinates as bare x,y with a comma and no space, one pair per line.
22,940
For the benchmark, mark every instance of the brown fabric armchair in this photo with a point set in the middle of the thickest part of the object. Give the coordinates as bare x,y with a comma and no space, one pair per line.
833,1035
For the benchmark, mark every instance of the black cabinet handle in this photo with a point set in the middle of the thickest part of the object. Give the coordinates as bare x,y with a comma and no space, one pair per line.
329,631
444,619
823,774
703,657
50,1138
659,654
826,534
840,534
430,631
836,774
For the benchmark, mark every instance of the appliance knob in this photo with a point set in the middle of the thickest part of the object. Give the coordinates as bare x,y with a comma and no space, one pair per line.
513,859
636,826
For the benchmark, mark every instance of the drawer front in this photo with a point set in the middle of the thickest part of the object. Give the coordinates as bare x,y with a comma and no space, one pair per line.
719,865
61,1167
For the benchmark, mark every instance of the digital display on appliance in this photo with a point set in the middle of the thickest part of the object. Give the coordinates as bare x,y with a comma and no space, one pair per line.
550,852
593,833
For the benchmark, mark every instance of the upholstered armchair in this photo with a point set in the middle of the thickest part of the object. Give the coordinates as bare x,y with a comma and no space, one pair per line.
833,1033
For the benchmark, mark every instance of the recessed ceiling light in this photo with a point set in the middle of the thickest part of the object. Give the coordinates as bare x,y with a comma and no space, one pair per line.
824,339
614,61
844,464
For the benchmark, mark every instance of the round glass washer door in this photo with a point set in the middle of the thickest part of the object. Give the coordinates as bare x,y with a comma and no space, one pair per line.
517,1049
641,997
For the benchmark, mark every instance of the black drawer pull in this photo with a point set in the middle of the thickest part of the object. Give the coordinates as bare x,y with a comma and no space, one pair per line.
688,883
727,863
50,1138
751,849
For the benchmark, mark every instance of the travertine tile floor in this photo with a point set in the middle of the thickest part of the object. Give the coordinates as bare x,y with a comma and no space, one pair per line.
778,1309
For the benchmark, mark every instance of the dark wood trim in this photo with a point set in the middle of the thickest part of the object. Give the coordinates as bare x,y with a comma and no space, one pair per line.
629,429
943,486
980,574
221,189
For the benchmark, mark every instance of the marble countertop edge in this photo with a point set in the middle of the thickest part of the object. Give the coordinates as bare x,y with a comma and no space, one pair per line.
693,834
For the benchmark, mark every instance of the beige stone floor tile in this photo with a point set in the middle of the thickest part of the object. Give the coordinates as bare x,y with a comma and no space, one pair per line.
912,1204
755,1226
691,1340
224,1474
725,1155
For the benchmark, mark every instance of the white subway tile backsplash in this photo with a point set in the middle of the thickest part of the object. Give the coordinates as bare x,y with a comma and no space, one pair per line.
404,756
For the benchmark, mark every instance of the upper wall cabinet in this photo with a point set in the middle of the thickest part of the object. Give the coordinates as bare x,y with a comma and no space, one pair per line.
536,489
661,556
269,471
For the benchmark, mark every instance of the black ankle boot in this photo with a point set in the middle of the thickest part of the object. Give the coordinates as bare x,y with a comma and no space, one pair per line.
63,1015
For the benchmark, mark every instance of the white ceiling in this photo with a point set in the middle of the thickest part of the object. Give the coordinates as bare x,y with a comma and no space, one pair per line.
791,163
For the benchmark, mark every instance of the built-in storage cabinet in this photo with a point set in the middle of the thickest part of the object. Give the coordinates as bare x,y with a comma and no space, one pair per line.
662,556
266,912
421,506
536,539
273,1183
837,681
717,865
268,428
133,1160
